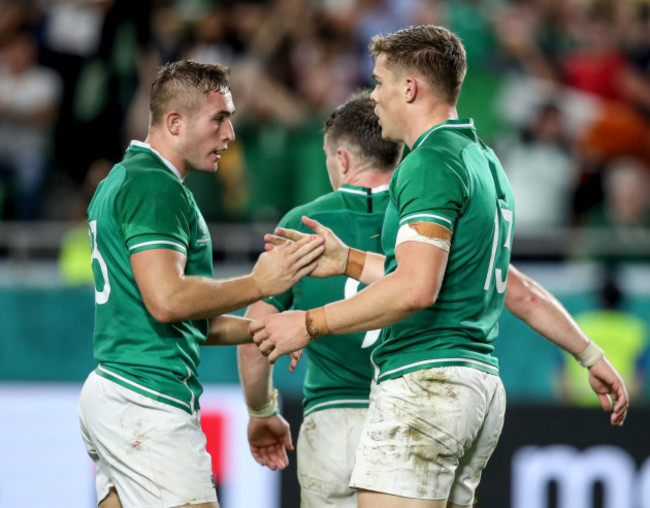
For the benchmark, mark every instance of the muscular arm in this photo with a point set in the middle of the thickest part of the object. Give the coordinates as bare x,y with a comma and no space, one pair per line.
269,438
169,295
255,373
413,286
228,331
373,269
538,308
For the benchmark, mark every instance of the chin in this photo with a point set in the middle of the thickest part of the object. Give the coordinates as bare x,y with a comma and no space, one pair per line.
210,168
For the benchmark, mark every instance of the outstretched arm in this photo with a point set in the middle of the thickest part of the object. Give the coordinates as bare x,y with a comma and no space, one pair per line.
338,258
413,286
540,310
170,295
269,434
228,330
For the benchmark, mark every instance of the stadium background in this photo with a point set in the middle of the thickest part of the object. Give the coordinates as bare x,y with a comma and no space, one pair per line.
584,203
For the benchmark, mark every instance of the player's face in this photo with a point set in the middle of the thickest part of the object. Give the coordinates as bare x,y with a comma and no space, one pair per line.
332,163
386,96
208,132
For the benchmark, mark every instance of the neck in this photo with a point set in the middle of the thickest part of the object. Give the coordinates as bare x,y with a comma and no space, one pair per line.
369,178
425,118
164,148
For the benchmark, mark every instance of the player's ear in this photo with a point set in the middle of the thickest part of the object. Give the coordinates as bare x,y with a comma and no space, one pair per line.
173,122
343,157
410,88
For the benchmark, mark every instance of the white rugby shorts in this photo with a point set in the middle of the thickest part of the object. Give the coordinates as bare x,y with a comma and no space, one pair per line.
152,453
327,443
430,433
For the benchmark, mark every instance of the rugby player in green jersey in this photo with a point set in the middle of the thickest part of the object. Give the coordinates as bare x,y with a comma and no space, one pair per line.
337,383
156,302
437,406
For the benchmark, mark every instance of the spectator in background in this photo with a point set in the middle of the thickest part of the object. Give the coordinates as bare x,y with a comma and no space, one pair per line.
617,226
627,185
623,336
542,171
29,104
74,268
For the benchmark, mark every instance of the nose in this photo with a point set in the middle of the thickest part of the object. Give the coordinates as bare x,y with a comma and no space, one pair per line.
228,131
373,95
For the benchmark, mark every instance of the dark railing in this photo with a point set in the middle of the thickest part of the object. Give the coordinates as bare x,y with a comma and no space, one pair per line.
243,242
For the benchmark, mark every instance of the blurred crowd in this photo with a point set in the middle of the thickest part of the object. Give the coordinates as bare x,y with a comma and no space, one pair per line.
560,89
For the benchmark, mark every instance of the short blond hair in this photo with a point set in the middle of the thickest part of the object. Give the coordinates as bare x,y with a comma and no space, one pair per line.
434,52
181,85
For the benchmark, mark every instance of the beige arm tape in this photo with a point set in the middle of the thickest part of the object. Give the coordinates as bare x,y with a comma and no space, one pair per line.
315,323
425,232
269,409
355,262
590,356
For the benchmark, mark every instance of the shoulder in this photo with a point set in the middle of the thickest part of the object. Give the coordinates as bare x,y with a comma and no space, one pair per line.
147,184
432,161
145,170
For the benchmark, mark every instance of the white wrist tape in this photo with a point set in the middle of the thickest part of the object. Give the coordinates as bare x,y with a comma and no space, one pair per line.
269,409
590,356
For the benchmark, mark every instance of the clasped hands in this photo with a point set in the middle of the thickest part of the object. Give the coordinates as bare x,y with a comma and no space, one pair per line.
286,332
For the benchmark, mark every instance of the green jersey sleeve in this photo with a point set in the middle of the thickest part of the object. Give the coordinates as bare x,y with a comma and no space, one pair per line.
446,185
153,213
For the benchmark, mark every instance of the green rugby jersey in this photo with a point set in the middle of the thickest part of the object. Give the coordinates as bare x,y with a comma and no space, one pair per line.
453,179
339,371
142,204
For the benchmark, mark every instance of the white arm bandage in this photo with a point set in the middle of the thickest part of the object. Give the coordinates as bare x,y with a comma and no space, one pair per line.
406,233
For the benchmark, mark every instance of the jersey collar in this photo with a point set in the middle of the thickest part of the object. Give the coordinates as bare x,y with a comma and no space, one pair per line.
462,123
147,146
361,190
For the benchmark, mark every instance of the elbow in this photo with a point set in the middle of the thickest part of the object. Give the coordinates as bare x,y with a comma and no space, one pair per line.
417,299
163,311
523,305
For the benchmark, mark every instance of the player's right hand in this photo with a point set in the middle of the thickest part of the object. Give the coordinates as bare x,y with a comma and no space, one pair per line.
280,268
295,357
605,381
333,261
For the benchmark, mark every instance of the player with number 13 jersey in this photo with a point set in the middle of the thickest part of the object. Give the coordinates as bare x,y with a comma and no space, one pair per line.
467,195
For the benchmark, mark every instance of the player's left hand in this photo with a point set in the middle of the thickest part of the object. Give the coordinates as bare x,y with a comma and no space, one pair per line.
269,439
280,334
606,381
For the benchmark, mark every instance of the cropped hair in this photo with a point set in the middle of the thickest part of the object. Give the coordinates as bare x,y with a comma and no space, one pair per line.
182,85
433,52
355,124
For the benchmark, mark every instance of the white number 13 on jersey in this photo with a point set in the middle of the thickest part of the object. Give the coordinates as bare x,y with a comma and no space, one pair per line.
500,281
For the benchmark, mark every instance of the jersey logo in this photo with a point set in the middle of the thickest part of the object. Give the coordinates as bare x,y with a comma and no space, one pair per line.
204,236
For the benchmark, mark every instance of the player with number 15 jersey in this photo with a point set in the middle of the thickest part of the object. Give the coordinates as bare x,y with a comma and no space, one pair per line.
468,194
143,204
